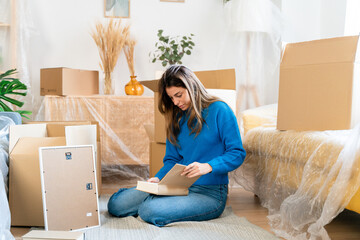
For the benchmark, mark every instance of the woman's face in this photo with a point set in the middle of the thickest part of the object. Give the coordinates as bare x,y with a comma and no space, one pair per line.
179,96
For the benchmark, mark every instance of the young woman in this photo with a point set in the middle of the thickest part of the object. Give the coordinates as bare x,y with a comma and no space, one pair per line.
202,133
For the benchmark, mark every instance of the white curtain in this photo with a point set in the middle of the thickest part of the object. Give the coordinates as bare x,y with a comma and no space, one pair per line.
256,26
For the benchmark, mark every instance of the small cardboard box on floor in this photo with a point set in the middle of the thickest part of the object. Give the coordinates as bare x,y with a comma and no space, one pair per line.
220,83
24,173
66,81
320,85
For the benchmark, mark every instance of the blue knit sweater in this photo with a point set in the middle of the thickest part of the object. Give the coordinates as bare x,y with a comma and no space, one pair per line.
218,144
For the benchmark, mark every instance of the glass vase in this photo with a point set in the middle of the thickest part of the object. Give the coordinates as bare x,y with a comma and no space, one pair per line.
108,89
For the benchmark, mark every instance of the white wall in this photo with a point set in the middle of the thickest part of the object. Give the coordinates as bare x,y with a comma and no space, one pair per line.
60,35
306,20
57,33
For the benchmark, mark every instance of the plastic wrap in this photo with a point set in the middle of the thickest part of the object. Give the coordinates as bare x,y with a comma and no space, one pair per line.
124,144
305,179
5,122
4,34
255,28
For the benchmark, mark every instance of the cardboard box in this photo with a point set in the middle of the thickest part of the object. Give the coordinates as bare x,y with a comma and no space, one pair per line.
157,154
69,191
319,85
67,81
157,151
216,79
172,184
55,235
57,128
25,199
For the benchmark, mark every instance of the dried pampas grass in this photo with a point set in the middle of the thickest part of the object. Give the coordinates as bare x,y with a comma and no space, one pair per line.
129,54
110,38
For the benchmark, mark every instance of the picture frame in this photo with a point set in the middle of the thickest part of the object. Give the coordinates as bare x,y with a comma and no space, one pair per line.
117,8
179,1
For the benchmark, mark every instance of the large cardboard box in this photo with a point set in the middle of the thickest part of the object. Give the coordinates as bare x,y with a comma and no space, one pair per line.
24,171
320,85
221,83
156,153
57,128
67,81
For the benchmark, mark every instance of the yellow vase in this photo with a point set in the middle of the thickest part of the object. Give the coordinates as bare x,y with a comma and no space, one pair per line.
134,87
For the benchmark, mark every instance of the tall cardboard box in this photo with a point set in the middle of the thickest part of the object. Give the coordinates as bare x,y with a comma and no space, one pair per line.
156,153
223,81
25,199
66,81
320,85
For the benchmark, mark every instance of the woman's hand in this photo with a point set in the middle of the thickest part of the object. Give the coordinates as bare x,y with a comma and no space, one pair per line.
196,169
154,180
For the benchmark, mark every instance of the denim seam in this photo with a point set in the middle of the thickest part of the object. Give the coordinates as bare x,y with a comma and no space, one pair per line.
180,219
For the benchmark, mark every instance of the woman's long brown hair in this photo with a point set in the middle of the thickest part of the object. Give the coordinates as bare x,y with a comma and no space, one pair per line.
181,76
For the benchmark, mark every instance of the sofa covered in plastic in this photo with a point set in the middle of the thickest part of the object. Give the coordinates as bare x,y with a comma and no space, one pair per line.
6,119
305,179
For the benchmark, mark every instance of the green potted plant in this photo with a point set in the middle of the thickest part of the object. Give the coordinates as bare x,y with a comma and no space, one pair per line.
12,86
170,50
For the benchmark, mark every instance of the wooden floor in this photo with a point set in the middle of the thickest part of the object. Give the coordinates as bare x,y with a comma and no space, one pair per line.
346,226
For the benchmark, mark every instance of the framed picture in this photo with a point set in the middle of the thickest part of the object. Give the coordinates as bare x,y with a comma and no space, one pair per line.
172,0
117,8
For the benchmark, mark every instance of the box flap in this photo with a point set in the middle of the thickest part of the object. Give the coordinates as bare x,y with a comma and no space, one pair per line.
57,128
25,130
332,50
152,84
150,131
81,135
174,178
217,79
30,145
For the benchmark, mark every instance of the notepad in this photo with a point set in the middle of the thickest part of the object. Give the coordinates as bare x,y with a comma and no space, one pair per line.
172,184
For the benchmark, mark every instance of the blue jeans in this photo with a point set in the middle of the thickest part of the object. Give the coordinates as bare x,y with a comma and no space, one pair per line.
204,202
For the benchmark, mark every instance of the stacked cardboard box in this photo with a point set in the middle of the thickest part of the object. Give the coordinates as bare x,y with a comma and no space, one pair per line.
220,83
25,198
320,85
67,81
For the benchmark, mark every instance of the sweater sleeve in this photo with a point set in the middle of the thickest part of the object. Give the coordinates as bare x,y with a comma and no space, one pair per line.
172,157
234,153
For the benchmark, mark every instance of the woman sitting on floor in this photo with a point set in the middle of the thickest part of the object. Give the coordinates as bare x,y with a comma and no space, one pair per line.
202,133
